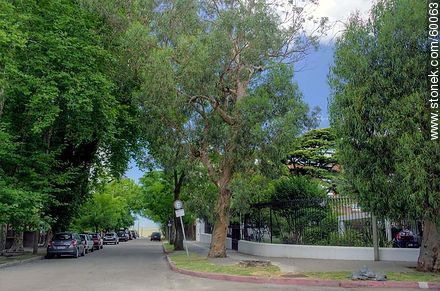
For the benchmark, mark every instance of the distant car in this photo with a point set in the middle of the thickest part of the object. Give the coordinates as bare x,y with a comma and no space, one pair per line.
111,238
88,242
65,243
123,235
97,241
155,236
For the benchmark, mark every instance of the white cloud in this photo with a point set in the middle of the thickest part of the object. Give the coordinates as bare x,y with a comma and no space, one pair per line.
338,12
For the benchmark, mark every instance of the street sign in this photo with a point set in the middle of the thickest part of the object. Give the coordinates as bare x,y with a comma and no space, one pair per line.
180,212
178,204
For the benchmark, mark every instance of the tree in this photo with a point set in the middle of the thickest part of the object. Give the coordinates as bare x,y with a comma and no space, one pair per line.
314,154
380,111
110,208
223,60
60,109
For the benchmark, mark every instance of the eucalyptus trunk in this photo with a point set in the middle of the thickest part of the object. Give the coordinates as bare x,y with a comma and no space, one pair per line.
220,231
429,257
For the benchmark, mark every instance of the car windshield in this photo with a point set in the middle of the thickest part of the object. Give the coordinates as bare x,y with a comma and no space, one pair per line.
109,234
62,236
94,235
83,237
156,233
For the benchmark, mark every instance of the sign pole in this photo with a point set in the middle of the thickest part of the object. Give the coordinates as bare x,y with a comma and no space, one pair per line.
178,205
184,237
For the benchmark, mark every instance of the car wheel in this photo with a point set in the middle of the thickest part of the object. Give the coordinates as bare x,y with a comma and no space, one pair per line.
76,255
93,249
101,247
86,250
83,253
49,256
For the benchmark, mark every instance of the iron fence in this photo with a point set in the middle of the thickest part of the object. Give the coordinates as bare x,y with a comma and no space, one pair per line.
321,221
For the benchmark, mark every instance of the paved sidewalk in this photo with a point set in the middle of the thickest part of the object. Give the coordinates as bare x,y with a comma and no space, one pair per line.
290,265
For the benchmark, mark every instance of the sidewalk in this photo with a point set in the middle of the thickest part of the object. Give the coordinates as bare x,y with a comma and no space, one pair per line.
289,265
26,257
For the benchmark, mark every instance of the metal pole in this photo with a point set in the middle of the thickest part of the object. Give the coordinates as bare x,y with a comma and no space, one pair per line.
271,228
184,237
375,241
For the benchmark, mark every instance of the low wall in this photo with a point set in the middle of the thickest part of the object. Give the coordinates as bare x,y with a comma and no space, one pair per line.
206,238
326,252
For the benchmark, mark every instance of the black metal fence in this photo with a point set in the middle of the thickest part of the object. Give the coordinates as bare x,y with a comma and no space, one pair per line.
321,221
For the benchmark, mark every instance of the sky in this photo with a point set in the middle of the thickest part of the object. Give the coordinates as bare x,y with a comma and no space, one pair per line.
312,75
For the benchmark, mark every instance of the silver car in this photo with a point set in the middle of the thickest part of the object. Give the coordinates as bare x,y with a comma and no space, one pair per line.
88,242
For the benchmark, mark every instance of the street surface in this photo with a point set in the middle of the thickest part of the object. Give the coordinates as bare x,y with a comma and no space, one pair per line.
131,266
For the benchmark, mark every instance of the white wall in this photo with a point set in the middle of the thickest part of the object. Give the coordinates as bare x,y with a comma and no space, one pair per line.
206,238
326,252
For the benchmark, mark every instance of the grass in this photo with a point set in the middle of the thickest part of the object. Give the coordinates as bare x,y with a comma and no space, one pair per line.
201,264
24,256
392,276
168,247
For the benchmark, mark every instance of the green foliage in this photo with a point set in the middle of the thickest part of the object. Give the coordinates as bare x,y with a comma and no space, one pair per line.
296,187
379,110
157,193
110,208
59,107
303,217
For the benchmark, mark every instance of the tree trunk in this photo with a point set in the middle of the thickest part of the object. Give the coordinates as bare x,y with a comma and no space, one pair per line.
2,237
17,245
178,239
429,257
220,231
35,242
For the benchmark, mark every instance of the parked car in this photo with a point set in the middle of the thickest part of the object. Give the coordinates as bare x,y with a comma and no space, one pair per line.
133,234
123,235
65,243
97,241
88,242
406,239
111,237
155,236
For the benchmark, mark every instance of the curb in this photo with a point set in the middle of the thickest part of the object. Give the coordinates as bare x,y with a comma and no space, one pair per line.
6,265
164,250
304,282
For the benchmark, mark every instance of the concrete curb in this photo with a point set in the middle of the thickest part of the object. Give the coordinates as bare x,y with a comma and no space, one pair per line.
21,262
303,282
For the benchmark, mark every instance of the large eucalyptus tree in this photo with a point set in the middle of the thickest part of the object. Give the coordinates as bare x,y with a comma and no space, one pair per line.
380,111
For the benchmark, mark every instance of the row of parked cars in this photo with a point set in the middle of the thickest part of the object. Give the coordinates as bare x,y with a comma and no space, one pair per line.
76,245
121,235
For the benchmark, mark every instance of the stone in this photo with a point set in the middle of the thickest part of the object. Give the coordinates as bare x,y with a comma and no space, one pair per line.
254,263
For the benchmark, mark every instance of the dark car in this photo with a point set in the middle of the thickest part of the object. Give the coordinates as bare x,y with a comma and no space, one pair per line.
65,243
111,238
155,236
123,235
133,234
406,239
97,241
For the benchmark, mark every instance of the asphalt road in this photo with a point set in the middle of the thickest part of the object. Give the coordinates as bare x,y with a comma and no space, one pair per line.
132,266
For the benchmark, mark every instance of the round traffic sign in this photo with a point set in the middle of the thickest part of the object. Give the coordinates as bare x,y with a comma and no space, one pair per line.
178,204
